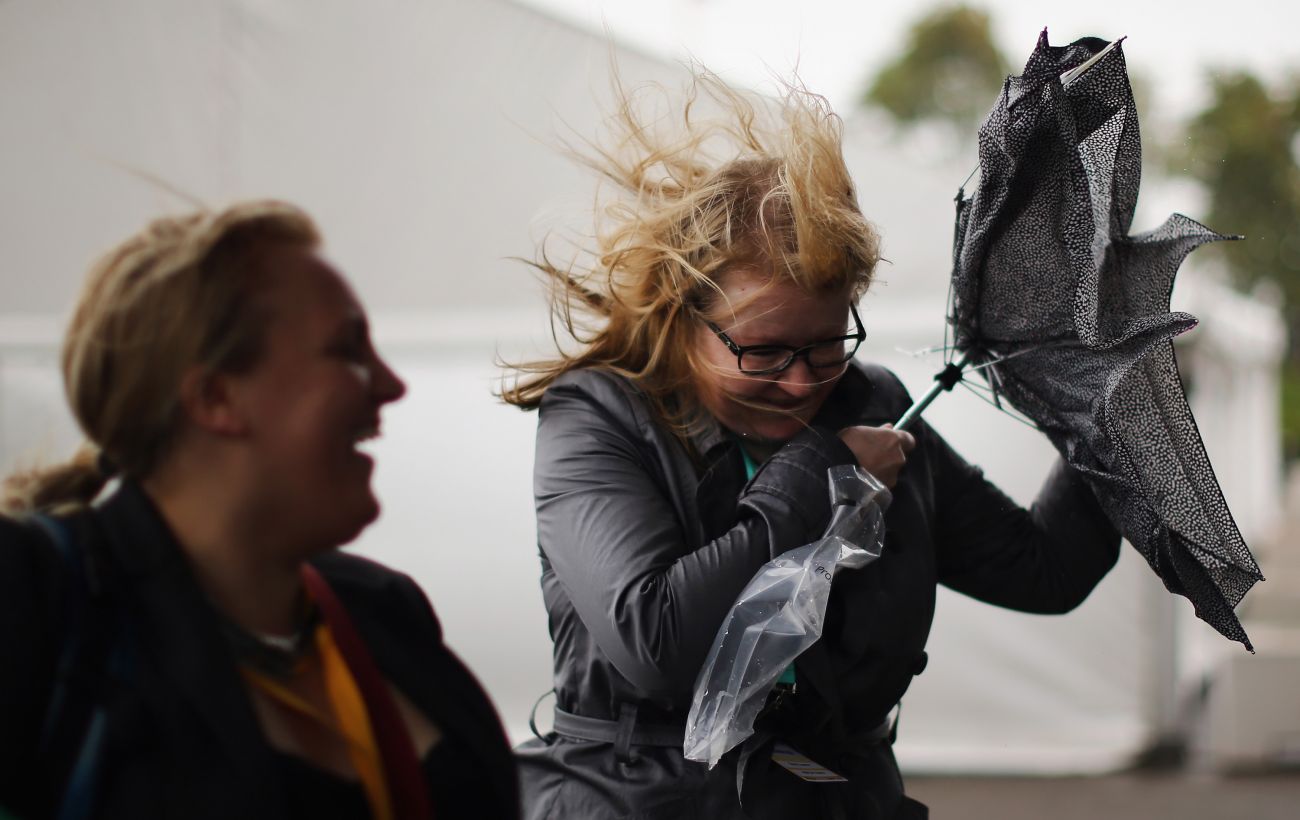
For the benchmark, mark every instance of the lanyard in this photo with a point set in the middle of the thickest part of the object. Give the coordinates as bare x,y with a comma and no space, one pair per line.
408,790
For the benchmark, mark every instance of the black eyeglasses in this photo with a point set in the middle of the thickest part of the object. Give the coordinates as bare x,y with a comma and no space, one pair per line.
764,360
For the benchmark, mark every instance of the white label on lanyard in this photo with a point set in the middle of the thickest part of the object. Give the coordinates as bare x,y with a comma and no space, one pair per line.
803,768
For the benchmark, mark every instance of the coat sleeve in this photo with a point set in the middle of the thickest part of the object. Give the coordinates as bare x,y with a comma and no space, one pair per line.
30,621
650,597
1046,559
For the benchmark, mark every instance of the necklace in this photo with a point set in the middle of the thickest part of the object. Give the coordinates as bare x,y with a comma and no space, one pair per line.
274,655
280,643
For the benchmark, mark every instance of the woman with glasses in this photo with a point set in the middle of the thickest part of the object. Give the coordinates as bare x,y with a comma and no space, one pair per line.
684,441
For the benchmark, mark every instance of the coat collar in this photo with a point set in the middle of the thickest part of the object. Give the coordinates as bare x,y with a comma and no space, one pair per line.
846,404
176,631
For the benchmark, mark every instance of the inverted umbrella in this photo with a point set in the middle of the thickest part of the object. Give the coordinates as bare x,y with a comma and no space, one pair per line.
1067,316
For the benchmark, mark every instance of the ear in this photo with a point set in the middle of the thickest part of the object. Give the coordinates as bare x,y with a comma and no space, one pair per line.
210,402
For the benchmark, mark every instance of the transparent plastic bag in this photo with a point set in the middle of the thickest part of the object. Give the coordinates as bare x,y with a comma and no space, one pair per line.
778,615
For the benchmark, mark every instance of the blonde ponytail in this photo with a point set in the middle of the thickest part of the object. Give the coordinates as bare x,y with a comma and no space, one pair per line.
57,487
178,294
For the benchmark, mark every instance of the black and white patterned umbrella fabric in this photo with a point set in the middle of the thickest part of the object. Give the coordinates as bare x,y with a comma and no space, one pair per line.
1069,315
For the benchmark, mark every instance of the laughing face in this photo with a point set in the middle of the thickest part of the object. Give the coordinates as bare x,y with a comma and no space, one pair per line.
767,410
311,400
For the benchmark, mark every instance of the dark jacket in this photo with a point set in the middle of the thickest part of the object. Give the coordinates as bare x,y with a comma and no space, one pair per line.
644,548
183,740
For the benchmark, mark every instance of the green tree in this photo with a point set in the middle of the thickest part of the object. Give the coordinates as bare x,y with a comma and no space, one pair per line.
948,71
1241,147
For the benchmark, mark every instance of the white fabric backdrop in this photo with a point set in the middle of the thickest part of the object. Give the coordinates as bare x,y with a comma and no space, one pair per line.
415,132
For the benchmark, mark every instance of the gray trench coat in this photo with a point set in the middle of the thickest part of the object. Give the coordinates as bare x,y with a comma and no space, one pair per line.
644,548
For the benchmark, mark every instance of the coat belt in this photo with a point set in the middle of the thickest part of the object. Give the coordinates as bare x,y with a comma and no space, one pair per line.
626,731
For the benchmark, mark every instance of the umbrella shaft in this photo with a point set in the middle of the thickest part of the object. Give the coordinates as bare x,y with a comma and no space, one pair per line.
944,381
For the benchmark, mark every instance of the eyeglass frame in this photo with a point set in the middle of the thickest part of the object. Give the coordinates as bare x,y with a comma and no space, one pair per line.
795,352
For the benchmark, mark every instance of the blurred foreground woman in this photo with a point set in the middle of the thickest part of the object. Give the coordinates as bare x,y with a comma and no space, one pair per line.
193,644
684,437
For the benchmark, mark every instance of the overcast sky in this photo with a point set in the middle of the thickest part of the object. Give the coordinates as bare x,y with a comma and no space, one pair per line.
837,43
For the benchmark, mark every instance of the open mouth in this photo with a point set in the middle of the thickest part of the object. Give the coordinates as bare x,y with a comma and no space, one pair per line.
364,438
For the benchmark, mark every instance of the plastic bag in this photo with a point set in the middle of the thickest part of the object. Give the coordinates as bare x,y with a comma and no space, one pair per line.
778,615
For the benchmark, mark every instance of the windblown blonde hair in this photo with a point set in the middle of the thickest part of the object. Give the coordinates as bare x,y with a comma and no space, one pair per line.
180,293
761,185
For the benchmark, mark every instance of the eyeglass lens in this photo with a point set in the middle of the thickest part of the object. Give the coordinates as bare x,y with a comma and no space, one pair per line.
772,359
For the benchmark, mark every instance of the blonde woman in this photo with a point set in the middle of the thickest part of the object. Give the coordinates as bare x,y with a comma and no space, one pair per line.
193,644
684,439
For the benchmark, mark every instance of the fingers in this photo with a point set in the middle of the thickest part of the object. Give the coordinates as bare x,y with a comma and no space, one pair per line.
882,451
905,439
889,465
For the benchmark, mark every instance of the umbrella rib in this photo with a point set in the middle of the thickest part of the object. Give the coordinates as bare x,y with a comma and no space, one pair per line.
979,394
924,351
1079,70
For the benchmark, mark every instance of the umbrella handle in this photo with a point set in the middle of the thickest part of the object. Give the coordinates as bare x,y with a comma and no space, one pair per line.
944,381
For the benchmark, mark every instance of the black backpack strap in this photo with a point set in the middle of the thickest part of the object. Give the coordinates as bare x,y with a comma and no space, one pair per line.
72,739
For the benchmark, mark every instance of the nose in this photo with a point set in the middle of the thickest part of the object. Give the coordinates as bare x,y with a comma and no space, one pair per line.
799,380
385,384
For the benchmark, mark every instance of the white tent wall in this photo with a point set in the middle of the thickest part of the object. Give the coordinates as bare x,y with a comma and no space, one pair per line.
416,133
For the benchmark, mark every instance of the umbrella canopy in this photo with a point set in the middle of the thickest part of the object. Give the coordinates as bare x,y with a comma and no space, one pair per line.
1067,315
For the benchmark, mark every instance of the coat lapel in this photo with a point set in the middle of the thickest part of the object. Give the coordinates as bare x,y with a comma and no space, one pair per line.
406,644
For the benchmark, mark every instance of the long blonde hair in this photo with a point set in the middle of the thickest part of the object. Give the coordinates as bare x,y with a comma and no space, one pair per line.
179,293
762,185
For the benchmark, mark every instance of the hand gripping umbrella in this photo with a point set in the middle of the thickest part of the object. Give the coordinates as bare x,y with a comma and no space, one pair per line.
1066,316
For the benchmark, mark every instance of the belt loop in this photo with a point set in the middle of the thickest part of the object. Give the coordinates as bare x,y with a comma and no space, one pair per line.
532,719
626,726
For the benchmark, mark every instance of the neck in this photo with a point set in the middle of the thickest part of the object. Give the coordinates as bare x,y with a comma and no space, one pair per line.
760,451
241,568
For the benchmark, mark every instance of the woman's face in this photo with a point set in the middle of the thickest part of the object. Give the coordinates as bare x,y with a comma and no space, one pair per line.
758,311
313,397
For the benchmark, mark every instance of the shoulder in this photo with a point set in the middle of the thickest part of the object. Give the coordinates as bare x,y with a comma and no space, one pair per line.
33,591
596,386
883,381
355,571
398,625
370,589
21,541
592,400
867,394
30,565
